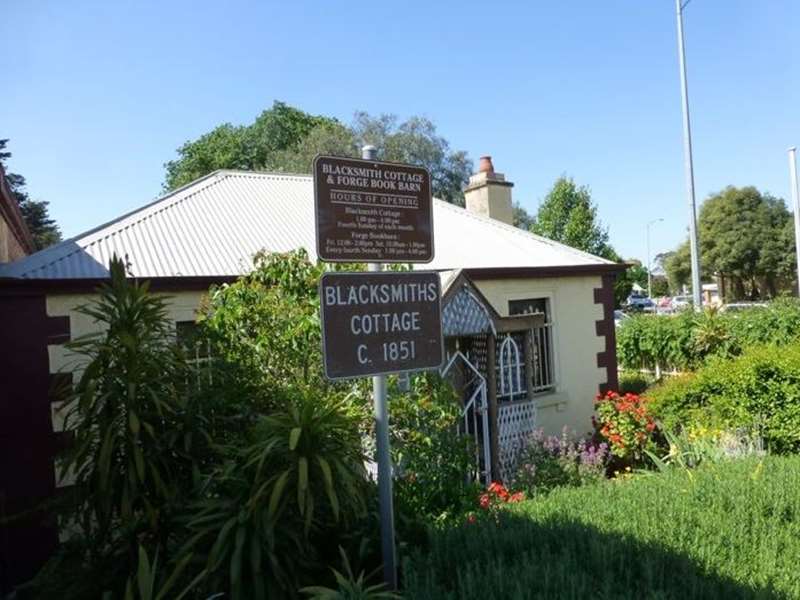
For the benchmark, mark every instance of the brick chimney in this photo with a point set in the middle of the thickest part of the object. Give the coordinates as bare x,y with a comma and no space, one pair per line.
489,194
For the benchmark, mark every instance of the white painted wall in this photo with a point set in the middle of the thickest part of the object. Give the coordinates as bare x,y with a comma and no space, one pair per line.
573,313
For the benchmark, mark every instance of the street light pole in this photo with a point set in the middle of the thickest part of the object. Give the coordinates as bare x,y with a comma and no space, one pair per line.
796,202
688,165
649,276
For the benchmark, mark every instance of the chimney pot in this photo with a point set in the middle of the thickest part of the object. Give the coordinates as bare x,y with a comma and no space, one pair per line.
486,165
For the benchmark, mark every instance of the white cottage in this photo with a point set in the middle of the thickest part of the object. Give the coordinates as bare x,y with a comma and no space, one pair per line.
528,322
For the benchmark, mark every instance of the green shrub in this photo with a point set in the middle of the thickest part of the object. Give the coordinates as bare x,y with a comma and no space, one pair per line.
266,516
265,327
757,391
433,461
728,531
350,586
634,383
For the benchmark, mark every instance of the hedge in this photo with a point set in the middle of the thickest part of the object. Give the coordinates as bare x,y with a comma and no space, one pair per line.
686,340
759,391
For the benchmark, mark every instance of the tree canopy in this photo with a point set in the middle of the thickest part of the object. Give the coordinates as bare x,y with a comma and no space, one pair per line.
42,226
746,239
522,218
286,139
417,142
569,216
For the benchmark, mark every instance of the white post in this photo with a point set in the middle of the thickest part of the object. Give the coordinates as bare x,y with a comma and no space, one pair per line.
649,277
688,165
384,457
796,203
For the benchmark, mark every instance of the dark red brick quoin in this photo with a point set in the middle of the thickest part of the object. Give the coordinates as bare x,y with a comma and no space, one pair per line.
607,359
27,442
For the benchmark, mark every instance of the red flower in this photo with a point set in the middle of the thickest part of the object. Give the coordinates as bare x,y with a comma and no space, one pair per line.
517,497
484,500
471,518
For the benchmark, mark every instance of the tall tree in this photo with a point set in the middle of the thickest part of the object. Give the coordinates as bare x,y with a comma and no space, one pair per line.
286,139
746,239
678,267
417,142
325,138
37,217
249,147
569,216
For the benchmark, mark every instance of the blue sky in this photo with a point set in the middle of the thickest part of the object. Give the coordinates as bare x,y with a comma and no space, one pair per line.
96,96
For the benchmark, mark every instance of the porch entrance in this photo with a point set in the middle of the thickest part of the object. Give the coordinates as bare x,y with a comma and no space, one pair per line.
498,365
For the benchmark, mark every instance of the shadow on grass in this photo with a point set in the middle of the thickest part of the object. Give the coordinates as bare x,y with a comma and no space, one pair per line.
520,559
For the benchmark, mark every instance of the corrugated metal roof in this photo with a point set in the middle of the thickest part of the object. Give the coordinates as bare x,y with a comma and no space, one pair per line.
214,226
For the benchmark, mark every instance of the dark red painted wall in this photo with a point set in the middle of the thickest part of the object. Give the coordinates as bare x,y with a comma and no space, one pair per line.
26,435
606,328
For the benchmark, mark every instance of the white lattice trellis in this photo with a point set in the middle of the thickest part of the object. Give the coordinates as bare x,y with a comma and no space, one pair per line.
515,422
476,410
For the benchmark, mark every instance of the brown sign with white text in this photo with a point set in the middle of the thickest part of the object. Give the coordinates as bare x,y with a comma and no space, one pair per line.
374,323
369,211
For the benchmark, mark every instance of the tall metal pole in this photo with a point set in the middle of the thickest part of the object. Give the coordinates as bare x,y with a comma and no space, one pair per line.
688,165
649,276
796,202
384,457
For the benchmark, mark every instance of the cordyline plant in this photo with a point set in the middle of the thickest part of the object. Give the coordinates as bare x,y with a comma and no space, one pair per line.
129,413
263,516
625,422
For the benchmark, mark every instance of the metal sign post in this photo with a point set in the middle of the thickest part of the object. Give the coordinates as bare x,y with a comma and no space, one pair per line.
383,452
377,323
384,460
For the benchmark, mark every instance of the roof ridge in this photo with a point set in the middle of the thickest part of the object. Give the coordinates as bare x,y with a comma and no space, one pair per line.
246,173
514,229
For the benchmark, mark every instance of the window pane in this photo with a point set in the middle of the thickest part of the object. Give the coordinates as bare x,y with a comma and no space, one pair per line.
188,336
528,306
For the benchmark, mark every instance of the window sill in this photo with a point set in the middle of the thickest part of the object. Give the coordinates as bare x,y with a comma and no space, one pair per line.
551,399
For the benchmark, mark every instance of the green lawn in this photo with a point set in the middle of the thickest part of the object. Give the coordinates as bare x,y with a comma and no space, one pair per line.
726,531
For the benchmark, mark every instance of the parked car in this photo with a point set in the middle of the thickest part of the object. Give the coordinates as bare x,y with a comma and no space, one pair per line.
681,302
620,317
638,302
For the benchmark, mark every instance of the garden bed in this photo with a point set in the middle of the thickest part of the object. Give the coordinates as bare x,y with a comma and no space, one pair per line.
725,530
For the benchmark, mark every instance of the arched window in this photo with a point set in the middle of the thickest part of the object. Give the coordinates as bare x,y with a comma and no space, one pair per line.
511,370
